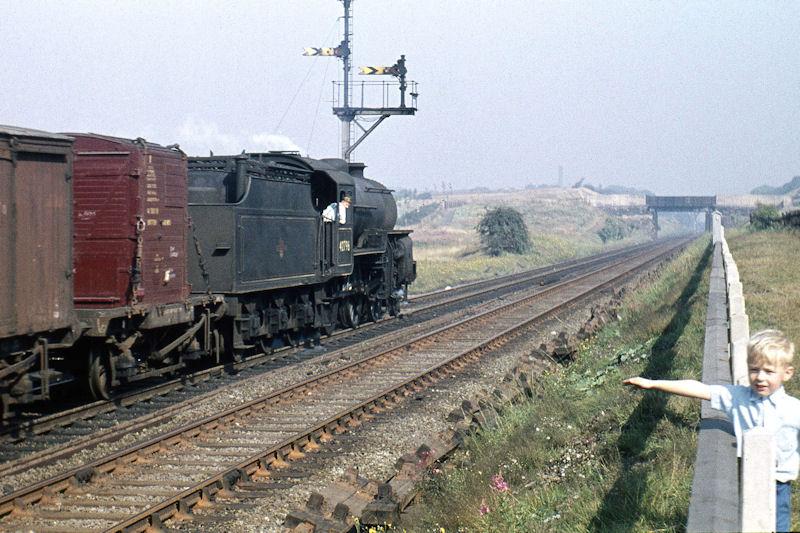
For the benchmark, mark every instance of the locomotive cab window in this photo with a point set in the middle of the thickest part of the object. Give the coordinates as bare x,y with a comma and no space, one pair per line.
323,191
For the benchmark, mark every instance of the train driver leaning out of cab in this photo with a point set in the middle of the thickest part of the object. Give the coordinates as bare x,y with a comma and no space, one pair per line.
330,212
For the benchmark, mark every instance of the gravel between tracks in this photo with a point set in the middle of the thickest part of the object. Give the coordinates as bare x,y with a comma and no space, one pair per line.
375,447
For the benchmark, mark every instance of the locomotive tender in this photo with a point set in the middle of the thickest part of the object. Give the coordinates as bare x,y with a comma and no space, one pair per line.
178,259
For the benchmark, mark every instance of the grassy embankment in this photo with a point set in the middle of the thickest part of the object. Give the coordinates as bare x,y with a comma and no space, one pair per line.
589,454
447,248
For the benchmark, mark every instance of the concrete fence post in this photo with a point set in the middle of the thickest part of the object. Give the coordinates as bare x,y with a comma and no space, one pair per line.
716,227
735,287
740,327
739,331
739,362
757,508
736,305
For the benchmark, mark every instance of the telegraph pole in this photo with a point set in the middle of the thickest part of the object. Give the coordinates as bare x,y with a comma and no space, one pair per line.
344,93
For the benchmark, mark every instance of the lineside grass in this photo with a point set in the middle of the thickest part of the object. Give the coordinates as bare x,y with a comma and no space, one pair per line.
440,266
589,454
455,261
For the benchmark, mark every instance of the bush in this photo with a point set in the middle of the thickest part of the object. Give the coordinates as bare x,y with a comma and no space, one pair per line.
503,230
613,230
764,217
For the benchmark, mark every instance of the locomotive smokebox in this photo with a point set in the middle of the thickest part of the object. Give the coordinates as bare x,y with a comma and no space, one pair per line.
375,207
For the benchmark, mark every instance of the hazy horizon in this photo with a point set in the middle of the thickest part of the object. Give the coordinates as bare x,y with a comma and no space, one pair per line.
674,97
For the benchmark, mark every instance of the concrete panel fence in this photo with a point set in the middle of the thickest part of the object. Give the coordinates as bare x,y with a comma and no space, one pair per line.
728,494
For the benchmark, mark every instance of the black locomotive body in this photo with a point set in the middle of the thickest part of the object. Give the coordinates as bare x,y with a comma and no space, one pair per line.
286,273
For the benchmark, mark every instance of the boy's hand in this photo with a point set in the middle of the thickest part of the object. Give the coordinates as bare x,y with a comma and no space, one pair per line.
642,383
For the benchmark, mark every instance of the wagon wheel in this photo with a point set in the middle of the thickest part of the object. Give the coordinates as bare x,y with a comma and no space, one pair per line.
99,374
350,313
375,310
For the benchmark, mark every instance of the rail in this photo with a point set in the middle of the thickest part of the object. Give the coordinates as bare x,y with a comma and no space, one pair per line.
726,496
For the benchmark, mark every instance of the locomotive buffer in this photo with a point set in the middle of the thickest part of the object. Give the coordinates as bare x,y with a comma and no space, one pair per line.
343,91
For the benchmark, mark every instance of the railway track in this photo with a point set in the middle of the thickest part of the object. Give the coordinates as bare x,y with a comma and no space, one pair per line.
98,424
240,452
81,426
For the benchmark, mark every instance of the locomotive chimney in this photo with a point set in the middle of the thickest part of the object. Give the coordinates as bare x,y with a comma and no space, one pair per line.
357,169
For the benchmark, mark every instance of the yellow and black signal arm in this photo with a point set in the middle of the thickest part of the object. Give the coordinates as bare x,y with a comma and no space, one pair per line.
394,70
311,51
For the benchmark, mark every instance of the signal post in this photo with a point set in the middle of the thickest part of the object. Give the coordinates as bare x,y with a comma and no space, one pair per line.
344,91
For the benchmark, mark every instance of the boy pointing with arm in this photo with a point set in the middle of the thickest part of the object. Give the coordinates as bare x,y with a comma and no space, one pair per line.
763,404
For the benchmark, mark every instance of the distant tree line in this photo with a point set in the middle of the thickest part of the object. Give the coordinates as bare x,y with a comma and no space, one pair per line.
412,194
615,189
415,216
769,217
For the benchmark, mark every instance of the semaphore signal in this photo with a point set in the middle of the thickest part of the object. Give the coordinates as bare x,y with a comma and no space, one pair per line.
349,114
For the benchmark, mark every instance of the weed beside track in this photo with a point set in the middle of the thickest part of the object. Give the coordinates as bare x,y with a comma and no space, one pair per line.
587,454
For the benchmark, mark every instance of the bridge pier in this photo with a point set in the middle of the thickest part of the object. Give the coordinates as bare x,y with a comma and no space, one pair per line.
655,222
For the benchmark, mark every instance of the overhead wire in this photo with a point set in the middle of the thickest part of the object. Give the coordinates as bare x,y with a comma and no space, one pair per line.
308,74
316,113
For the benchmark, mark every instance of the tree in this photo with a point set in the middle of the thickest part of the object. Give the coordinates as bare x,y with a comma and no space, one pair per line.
503,230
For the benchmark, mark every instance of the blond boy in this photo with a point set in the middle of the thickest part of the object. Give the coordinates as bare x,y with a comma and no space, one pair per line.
764,403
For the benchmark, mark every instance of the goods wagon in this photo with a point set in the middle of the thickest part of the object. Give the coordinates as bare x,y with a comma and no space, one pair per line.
36,311
131,291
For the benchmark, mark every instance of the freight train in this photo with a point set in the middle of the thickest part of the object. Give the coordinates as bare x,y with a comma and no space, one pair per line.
122,259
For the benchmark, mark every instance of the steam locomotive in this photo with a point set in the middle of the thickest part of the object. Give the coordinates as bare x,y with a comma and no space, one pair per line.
122,259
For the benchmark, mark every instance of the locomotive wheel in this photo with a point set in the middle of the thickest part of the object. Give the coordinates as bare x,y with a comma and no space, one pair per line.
99,374
350,313
266,345
375,310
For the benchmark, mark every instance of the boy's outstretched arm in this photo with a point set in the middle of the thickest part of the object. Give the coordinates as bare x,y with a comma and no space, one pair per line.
683,387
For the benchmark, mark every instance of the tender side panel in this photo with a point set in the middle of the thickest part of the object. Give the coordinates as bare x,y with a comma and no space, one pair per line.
274,248
214,234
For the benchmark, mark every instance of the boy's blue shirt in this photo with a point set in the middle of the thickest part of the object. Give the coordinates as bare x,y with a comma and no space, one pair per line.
778,412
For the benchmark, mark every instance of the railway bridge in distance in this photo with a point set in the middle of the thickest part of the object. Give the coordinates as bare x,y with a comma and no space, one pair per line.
672,204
